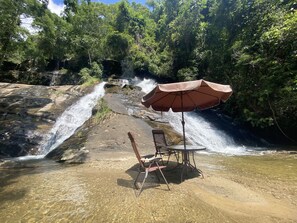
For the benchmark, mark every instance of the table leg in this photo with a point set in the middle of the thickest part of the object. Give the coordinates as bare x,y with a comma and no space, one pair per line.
187,163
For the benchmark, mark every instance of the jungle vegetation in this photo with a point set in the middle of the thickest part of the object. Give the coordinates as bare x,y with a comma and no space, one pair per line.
249,44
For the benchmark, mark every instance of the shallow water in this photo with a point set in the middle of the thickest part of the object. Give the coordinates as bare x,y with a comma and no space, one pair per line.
45,191
42,192
273,173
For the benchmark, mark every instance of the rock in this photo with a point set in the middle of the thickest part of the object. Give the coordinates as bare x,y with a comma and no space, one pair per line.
74,156
28,111
9,164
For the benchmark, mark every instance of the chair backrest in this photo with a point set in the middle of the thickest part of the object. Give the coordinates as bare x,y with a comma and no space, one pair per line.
135,149
159,139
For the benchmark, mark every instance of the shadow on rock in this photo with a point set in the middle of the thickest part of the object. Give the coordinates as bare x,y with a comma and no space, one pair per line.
172,174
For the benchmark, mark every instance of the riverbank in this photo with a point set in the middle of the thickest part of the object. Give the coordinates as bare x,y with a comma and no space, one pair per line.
235,188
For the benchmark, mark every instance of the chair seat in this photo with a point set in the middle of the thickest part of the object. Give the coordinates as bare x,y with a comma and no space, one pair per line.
154,168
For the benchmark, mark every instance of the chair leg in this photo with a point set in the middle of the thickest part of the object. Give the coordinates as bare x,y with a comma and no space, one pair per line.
145,176
163,176
176,156
162,160
168,159
136,180
160,154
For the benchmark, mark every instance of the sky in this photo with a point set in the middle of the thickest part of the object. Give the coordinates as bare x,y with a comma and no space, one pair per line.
103,1
56,6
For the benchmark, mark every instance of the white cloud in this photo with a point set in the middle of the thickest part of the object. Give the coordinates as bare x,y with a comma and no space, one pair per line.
26,22
55,8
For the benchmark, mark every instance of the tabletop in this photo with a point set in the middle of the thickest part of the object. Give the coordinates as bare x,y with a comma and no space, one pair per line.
188,147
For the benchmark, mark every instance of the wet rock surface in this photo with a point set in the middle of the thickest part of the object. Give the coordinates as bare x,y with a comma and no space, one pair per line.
28,111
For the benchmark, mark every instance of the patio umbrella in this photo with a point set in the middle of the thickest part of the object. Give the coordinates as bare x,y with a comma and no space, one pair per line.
186,96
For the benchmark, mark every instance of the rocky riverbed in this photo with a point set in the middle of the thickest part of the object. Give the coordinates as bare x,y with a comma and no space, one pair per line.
235,188
28,111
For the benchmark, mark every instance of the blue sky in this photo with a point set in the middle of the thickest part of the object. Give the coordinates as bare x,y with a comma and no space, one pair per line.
59,2
57,6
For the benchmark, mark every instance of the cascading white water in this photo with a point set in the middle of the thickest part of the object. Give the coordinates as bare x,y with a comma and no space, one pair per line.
199,130
202,132
146,84
72,118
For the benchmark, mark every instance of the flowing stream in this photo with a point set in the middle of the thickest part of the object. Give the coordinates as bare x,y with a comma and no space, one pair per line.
72,118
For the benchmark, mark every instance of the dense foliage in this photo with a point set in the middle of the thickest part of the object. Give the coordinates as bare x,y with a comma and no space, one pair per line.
250,44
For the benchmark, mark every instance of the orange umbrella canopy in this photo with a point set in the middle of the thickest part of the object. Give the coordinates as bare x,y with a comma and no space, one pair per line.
186,96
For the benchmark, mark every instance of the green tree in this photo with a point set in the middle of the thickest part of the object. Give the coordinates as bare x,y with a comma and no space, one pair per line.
118,45
123,16
11,33
71,7
52,41
90,26
253,49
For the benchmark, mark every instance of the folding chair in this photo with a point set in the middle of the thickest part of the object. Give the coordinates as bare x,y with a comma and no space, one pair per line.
146,165
161,144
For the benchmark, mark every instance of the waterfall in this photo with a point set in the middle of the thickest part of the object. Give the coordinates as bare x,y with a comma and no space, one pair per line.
199,130
72,118
55,78
202,132
146,85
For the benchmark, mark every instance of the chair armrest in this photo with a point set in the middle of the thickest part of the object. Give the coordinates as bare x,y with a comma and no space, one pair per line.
148,156
150,159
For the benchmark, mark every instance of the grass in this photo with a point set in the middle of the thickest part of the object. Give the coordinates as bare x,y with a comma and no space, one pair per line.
102,111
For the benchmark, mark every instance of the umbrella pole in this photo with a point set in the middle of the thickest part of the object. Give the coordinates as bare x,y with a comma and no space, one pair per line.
183,120
184,133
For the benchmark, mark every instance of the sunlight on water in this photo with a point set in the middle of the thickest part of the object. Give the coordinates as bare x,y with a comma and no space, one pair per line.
103,192
46,194
29,157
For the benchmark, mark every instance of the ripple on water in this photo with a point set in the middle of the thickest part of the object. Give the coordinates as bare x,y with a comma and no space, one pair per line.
43,195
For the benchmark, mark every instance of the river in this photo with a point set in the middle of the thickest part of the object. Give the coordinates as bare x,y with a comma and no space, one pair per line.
260,189
239,186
